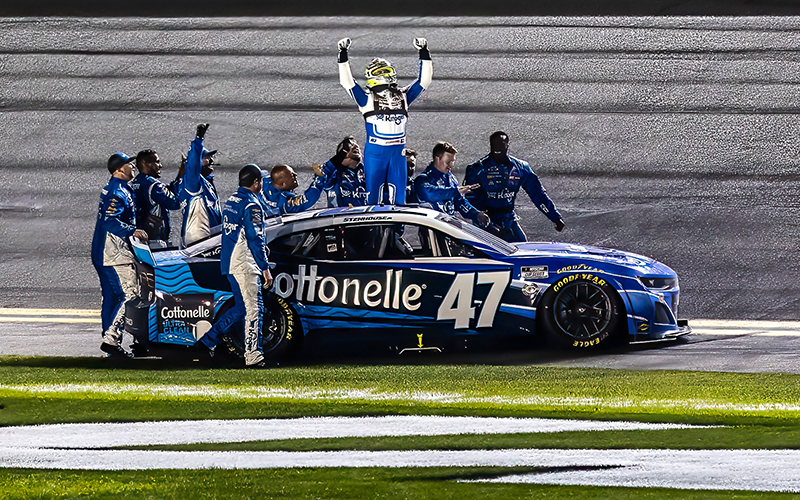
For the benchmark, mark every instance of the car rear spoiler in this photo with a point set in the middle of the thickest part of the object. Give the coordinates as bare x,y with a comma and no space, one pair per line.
142,252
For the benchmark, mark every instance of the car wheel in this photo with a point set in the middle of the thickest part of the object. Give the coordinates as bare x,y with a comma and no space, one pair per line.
582,312
281,335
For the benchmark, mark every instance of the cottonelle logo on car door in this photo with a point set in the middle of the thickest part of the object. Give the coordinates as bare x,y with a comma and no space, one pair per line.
443,295
184,319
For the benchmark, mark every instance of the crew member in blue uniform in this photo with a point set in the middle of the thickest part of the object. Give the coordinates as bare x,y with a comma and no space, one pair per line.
438,188
499,176
278,193
197,193
112,255
244,260
153,198
344,175
385,110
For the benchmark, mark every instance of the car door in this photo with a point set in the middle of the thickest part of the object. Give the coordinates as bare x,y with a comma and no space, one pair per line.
389,286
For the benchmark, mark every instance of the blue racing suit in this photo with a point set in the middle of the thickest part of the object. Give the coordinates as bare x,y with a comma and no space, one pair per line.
112,256
440,191
385,111
348,184
287,202
243,258
153,200
198,197
498,192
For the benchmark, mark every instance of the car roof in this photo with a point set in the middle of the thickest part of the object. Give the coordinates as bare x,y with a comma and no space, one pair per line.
371,209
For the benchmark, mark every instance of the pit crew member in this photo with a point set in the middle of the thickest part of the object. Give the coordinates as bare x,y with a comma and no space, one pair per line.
198,195
438,188
153,198
244,260
112,255
499,177
279,191
385,110
344,174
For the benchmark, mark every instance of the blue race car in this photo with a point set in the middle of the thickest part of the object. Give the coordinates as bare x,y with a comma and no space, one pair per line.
398,279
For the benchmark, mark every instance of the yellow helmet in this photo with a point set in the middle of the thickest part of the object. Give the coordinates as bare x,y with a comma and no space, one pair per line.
380,72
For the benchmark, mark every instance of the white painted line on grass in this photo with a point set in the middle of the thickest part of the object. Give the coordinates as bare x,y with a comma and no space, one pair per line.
106,435
757,470
266,393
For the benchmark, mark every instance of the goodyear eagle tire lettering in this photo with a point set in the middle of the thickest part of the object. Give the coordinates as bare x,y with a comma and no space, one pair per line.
281,334
581,311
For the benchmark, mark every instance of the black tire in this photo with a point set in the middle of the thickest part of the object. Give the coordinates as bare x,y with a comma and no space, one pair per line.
582,311
281,333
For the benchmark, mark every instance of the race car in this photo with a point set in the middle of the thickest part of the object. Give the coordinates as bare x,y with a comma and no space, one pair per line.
405,279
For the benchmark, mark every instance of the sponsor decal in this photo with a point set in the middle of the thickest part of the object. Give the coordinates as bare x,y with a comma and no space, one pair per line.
572,277
579,267
185,318
386,293
530,290
362,218
535,272
590,343
471,299
214,252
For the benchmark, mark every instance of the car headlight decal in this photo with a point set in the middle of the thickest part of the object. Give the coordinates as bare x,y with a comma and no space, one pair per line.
659,283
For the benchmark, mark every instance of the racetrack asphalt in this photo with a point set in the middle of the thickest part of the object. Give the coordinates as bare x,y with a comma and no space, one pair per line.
672,137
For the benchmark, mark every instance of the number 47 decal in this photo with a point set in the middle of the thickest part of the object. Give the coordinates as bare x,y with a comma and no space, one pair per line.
457,303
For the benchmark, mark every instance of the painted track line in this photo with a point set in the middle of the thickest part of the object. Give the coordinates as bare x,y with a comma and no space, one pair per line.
745,327
758,328
31,315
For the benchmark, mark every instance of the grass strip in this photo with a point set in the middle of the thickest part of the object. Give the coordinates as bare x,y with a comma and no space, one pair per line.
738,437
428,483
49,390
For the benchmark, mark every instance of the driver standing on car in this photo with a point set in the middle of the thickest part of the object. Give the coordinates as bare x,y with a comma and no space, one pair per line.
112,255
244,260
499,176
153,198
384,107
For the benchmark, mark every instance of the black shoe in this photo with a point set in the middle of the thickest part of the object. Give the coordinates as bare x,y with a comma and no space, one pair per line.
202,351
115,351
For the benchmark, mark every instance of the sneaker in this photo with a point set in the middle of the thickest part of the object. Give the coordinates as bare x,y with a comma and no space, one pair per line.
115,351
261,364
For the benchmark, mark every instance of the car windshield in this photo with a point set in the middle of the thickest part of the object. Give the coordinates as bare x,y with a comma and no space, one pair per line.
479,234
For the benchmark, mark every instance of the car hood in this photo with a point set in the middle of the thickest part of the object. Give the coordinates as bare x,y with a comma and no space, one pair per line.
569,251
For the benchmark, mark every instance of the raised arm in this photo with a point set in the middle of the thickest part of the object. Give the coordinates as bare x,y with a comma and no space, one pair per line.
425,71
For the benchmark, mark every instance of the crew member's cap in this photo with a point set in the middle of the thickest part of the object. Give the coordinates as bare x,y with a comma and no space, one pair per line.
249,174
117,160
207,153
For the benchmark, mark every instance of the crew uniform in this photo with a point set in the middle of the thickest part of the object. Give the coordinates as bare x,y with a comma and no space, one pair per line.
498,192
113,259
243,259
385,111
278,202
440,191
349,184
198,198
153,200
